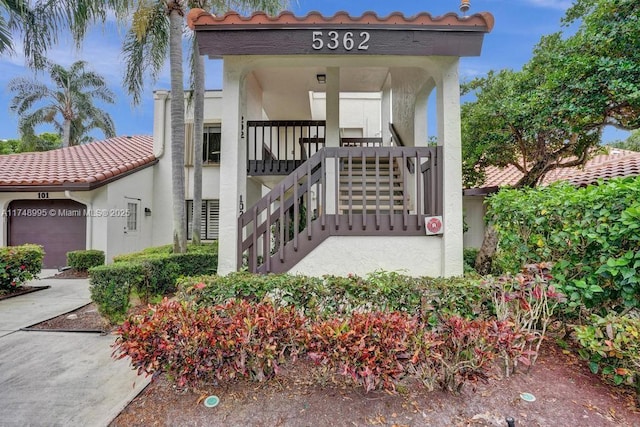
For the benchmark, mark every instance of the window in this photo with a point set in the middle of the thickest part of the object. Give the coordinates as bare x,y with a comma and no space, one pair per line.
132,216
211,139
209,225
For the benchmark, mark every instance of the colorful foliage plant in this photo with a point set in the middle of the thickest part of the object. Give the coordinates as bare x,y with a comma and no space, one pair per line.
196,345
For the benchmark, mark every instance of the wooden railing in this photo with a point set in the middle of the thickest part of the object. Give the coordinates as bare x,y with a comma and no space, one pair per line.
279,147
274,147
341,191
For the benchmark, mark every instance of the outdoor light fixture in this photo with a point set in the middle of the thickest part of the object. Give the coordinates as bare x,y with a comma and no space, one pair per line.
147,212
322,78
464,6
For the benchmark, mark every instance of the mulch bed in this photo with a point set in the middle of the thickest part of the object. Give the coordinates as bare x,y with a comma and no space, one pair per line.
83,319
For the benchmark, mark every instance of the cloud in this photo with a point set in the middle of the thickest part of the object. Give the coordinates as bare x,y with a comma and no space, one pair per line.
551,4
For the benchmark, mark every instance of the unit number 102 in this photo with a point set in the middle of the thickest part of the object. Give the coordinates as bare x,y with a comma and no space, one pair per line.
347,41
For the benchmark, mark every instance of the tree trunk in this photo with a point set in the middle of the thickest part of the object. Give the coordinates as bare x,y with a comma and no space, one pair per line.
198,131
484,260
66,132
177,131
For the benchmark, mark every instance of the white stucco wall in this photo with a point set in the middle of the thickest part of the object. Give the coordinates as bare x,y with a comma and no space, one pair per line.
415,256
107,220
357,111
474,211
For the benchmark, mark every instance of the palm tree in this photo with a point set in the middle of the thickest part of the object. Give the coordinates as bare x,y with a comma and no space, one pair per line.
69,106
157,27
38,23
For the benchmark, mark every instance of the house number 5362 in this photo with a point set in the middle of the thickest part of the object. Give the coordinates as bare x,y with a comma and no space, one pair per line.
333,40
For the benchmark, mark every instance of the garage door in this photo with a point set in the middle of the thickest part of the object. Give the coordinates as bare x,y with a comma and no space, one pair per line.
59,226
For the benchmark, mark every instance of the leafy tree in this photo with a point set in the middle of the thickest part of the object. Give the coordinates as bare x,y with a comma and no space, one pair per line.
69,106
551,113
157,27
9,146
632,143
44,142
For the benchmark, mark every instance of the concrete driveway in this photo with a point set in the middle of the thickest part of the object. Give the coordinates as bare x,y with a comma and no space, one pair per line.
58,378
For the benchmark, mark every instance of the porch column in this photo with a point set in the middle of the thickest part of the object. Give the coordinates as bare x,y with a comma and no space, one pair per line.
232,166
332,133
385,106
420,121
448,105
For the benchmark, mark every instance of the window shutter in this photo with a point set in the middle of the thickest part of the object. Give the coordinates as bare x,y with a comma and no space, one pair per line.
213,215
188,144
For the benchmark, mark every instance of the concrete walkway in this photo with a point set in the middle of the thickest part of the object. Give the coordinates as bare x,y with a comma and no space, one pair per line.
58,378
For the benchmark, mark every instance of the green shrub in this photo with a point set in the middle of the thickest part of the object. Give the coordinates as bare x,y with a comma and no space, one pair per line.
156,271
469,256
111,286
611,344
84,260
591,235
19,264
205,248
334,295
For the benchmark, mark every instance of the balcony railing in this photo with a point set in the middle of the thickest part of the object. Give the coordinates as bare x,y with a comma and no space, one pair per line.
279,147
342,191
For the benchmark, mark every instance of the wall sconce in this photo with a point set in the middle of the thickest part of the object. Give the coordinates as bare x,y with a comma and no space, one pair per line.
147,212
322,78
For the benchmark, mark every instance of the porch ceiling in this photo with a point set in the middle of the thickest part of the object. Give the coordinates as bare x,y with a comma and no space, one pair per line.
286,90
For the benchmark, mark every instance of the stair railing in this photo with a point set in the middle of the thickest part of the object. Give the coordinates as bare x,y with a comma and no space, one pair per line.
309,205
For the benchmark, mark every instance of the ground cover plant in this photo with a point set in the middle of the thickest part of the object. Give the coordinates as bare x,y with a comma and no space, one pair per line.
377,331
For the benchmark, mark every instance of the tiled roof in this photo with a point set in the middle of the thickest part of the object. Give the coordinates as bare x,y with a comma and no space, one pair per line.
80,167
478,22
615,163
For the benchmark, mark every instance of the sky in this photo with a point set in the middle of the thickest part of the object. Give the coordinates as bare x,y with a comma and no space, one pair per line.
519,24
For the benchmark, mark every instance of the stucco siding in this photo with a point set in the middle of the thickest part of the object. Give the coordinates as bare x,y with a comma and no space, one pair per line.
474,211
339,255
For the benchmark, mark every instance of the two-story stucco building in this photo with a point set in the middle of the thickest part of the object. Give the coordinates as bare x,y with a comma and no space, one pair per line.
316,152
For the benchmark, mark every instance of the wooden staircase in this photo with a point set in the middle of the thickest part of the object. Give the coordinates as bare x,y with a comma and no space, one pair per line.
367,186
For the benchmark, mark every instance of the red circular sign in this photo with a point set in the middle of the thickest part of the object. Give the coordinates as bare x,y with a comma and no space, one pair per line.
434,225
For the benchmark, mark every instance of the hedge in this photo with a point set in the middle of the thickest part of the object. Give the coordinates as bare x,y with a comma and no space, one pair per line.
19,264
148,273
84,260
592,235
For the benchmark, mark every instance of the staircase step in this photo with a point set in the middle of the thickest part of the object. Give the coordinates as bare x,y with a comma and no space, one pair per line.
384,210
370,179
371,200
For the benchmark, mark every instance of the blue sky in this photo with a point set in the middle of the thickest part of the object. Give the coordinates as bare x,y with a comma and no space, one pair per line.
519,26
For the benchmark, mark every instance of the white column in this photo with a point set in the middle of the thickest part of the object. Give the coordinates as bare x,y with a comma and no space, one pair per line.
420,123
232,167
385,107
332,133
448,101
332,136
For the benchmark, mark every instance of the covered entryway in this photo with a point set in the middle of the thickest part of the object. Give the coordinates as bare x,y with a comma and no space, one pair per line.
59,226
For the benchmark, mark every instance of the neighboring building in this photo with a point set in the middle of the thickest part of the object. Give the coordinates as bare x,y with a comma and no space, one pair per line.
88,196
613,164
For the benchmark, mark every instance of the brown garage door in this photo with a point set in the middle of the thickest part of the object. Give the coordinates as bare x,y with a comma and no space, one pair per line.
58,225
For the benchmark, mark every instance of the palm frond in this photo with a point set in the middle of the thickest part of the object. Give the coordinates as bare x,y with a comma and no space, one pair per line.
145,53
